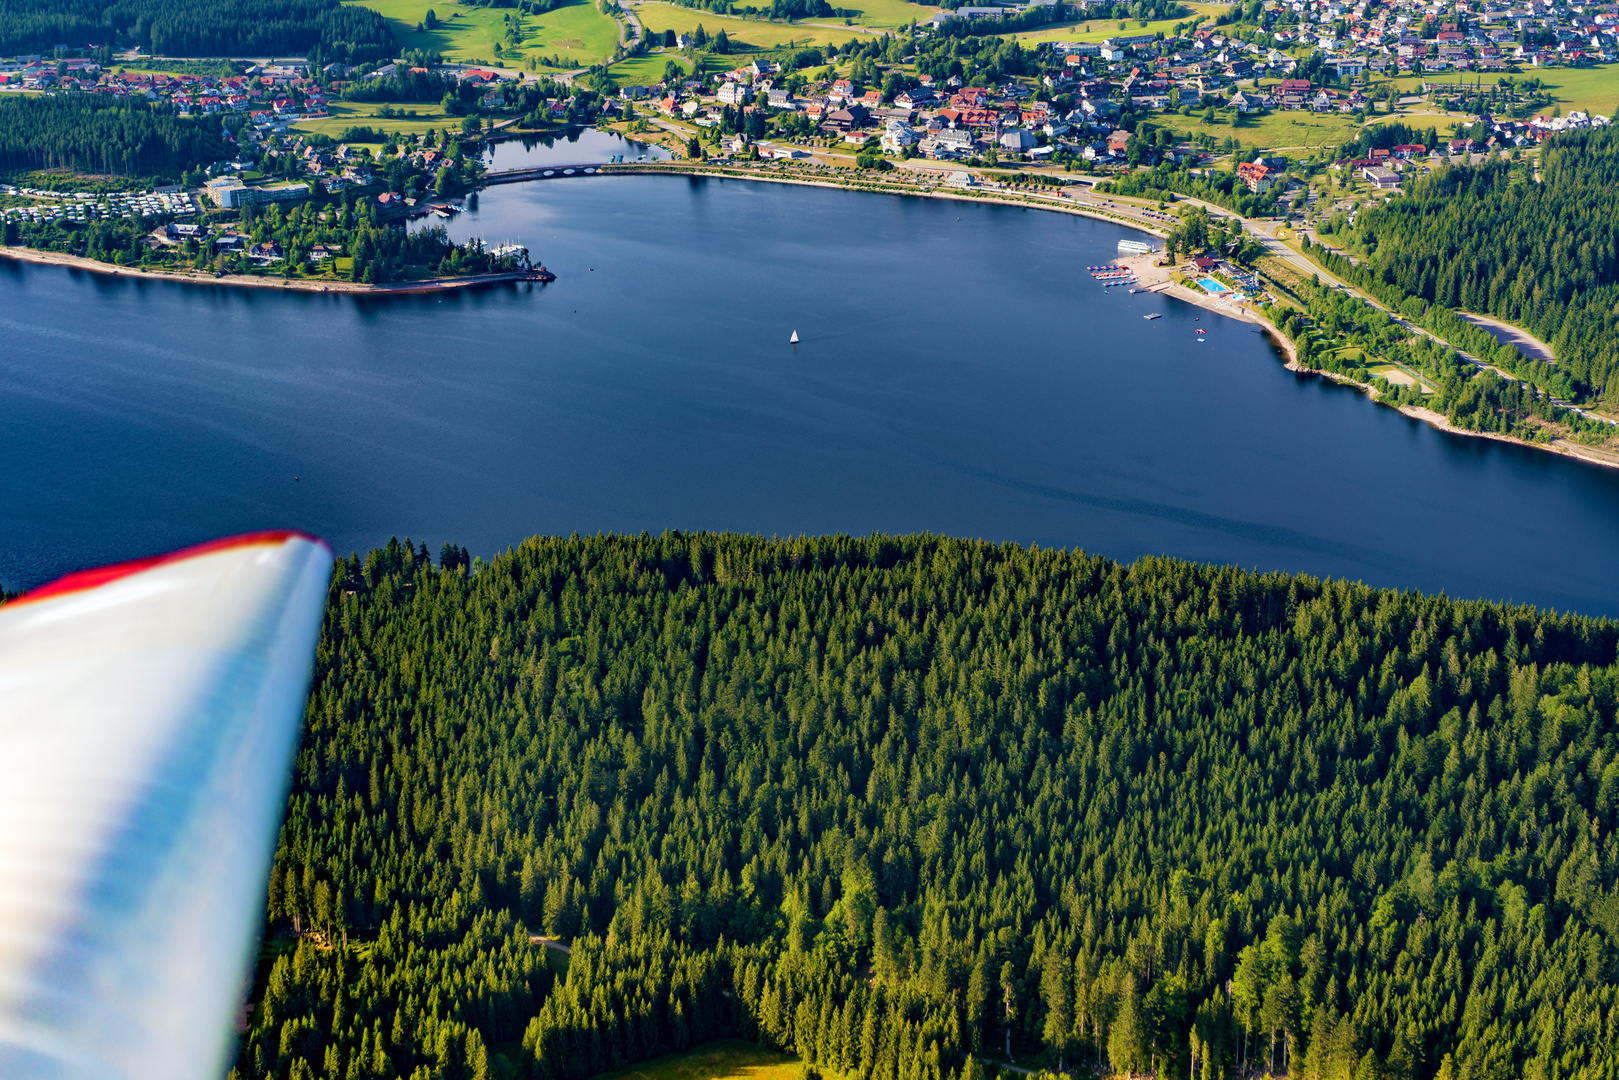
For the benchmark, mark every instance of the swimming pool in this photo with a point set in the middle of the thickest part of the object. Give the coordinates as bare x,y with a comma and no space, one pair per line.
1210,285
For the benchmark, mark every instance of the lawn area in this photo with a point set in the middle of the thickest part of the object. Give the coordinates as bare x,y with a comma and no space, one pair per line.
1589,89
1421,119
729,1060
646,70
347,114
1098,30
746,33
1278,130
1593,89
884,14
576,31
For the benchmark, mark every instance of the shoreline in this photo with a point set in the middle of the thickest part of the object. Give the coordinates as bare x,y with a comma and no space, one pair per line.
244,281
876,186
1440,422
1154,278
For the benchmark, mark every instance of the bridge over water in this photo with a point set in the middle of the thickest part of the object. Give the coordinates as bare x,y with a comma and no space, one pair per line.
542,172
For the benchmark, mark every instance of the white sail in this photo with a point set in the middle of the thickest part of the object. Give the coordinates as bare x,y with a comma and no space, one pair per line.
794,339
148,717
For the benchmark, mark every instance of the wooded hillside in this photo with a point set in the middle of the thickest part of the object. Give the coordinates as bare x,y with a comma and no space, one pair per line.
338,31
96,134
892,802
1543,255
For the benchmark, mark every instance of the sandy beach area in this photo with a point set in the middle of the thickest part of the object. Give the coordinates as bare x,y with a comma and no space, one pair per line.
1156,278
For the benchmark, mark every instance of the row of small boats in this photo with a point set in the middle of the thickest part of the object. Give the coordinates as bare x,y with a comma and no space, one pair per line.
1111,275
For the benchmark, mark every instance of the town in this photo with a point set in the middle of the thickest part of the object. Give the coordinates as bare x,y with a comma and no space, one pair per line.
1250,139
948,93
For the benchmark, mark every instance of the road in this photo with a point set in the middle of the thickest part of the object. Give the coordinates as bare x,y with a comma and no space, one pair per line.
1279,250
630,23
1275,248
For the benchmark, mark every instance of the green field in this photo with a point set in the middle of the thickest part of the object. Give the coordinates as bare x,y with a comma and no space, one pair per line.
729,1060
743,33
1291,131
1287,130
885,14
576,31
1098,30
646,70
1589,89
347,114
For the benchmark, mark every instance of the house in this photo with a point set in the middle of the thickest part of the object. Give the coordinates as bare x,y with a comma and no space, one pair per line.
1244,103
1017,140
898,137
1258,178
846,120
1293,93
734,93
953,141
1347,67
1381,178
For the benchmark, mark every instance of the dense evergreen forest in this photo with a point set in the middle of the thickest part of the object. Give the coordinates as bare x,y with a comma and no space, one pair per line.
1543,255
908,806
95,134
360,245
336,31
1337,331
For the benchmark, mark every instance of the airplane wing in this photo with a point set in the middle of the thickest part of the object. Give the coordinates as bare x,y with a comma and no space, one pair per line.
149,713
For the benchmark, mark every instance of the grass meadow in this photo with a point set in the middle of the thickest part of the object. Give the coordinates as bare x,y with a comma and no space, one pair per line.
729,1060
575,31
744,33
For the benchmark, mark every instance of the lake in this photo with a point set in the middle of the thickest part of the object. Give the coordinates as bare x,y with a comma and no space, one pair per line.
958,371
575,146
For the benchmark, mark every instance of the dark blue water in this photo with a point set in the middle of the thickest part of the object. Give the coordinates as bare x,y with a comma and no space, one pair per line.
959,371
575,146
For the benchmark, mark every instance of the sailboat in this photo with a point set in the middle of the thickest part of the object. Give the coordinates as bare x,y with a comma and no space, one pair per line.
794,339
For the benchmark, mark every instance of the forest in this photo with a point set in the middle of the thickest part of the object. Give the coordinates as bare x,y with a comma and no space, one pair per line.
329,29
1338,332
913,807
95,134
1164,181
339,237
1540,252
